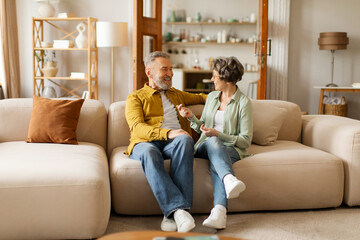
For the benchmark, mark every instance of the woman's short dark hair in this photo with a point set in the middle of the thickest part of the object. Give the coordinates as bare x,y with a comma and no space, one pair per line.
229,68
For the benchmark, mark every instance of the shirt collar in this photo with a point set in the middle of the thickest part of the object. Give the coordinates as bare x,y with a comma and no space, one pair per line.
152,91
235,97
237,94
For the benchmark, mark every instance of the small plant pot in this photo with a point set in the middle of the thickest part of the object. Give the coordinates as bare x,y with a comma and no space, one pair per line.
50,69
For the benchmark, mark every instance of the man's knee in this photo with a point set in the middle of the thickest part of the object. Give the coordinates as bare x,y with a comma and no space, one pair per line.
147,151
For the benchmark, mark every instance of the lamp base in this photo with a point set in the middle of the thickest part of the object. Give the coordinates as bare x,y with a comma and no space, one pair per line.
331,85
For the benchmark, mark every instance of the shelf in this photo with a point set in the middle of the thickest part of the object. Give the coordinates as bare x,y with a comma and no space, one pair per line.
195,90
64,19
90,83
190,70
210,23
66,49
335,88
61,78
205,43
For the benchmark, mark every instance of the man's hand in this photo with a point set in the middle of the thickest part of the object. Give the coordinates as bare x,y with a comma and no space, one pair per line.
184,112
174,133
209,132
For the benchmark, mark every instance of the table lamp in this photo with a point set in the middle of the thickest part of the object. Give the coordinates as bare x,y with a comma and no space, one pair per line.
333,41
112,34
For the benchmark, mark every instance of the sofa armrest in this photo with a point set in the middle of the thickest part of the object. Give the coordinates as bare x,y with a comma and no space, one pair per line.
118,129
339,136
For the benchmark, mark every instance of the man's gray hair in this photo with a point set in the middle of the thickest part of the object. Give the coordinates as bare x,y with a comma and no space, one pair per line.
152,56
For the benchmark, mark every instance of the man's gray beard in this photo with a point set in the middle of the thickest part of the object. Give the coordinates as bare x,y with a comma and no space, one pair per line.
160,83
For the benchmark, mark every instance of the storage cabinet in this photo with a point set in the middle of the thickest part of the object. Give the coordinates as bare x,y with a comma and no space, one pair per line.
87,83
194,80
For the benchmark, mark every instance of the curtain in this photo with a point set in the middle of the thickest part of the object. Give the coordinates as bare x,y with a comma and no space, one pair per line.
278,32
9,49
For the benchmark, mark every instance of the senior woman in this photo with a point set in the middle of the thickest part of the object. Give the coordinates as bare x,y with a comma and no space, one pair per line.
226,133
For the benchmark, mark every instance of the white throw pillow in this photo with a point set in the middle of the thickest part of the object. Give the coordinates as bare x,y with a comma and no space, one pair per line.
267,121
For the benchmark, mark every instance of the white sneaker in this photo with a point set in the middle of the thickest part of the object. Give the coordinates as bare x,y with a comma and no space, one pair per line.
168,225
184,221
217,218
233,186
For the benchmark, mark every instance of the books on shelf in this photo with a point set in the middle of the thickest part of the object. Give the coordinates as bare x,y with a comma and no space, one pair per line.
65,15
356,85
63,44
78,75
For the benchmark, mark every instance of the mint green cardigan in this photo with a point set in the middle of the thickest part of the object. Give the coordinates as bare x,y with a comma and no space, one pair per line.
238,125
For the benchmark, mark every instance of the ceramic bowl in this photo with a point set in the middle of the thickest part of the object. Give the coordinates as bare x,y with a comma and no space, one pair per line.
46,44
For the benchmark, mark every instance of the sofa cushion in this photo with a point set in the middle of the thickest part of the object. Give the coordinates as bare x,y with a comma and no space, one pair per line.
286,175
54,121
53,190
16,112
267,121
119,134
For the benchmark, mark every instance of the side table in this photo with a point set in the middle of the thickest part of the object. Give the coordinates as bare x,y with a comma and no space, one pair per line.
332,89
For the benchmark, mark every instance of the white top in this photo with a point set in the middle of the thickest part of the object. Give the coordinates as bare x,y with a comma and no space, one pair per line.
170,120
219,121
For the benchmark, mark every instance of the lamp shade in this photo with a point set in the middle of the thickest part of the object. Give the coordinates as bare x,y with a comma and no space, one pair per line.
111,34
333,41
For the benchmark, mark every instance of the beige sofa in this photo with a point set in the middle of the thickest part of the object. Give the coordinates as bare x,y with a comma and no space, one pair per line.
53,191
60,191
303,169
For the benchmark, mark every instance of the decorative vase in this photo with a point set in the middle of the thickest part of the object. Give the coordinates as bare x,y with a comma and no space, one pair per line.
50,69
81,40
198,17
252,17
46,10
173,16
49,92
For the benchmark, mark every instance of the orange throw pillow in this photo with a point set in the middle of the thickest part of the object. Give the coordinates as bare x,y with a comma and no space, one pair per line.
54,121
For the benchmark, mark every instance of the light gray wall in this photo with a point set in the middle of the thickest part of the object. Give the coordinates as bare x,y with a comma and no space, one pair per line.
308,66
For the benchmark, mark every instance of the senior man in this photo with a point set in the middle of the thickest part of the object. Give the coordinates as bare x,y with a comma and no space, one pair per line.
158,132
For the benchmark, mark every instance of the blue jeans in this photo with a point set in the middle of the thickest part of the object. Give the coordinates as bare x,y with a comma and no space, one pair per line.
174,191
221,159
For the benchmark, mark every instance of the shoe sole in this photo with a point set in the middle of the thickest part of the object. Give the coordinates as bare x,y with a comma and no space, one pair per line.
187,228
165,229
209,225
170,228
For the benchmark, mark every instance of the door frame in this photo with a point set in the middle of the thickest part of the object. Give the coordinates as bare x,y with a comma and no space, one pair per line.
262,48
145,26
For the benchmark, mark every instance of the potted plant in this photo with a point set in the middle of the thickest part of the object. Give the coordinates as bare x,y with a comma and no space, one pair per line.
49,59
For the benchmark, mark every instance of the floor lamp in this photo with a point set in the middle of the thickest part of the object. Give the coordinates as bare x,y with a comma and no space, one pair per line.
112,34
333,41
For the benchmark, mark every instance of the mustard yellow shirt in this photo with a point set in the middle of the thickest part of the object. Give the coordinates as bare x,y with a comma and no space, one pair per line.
144,113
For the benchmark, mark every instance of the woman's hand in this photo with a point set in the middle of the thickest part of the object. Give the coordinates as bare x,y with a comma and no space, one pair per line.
209,132
184,112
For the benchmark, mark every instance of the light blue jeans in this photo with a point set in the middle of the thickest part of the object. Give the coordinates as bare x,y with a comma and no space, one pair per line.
221,158
174,191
